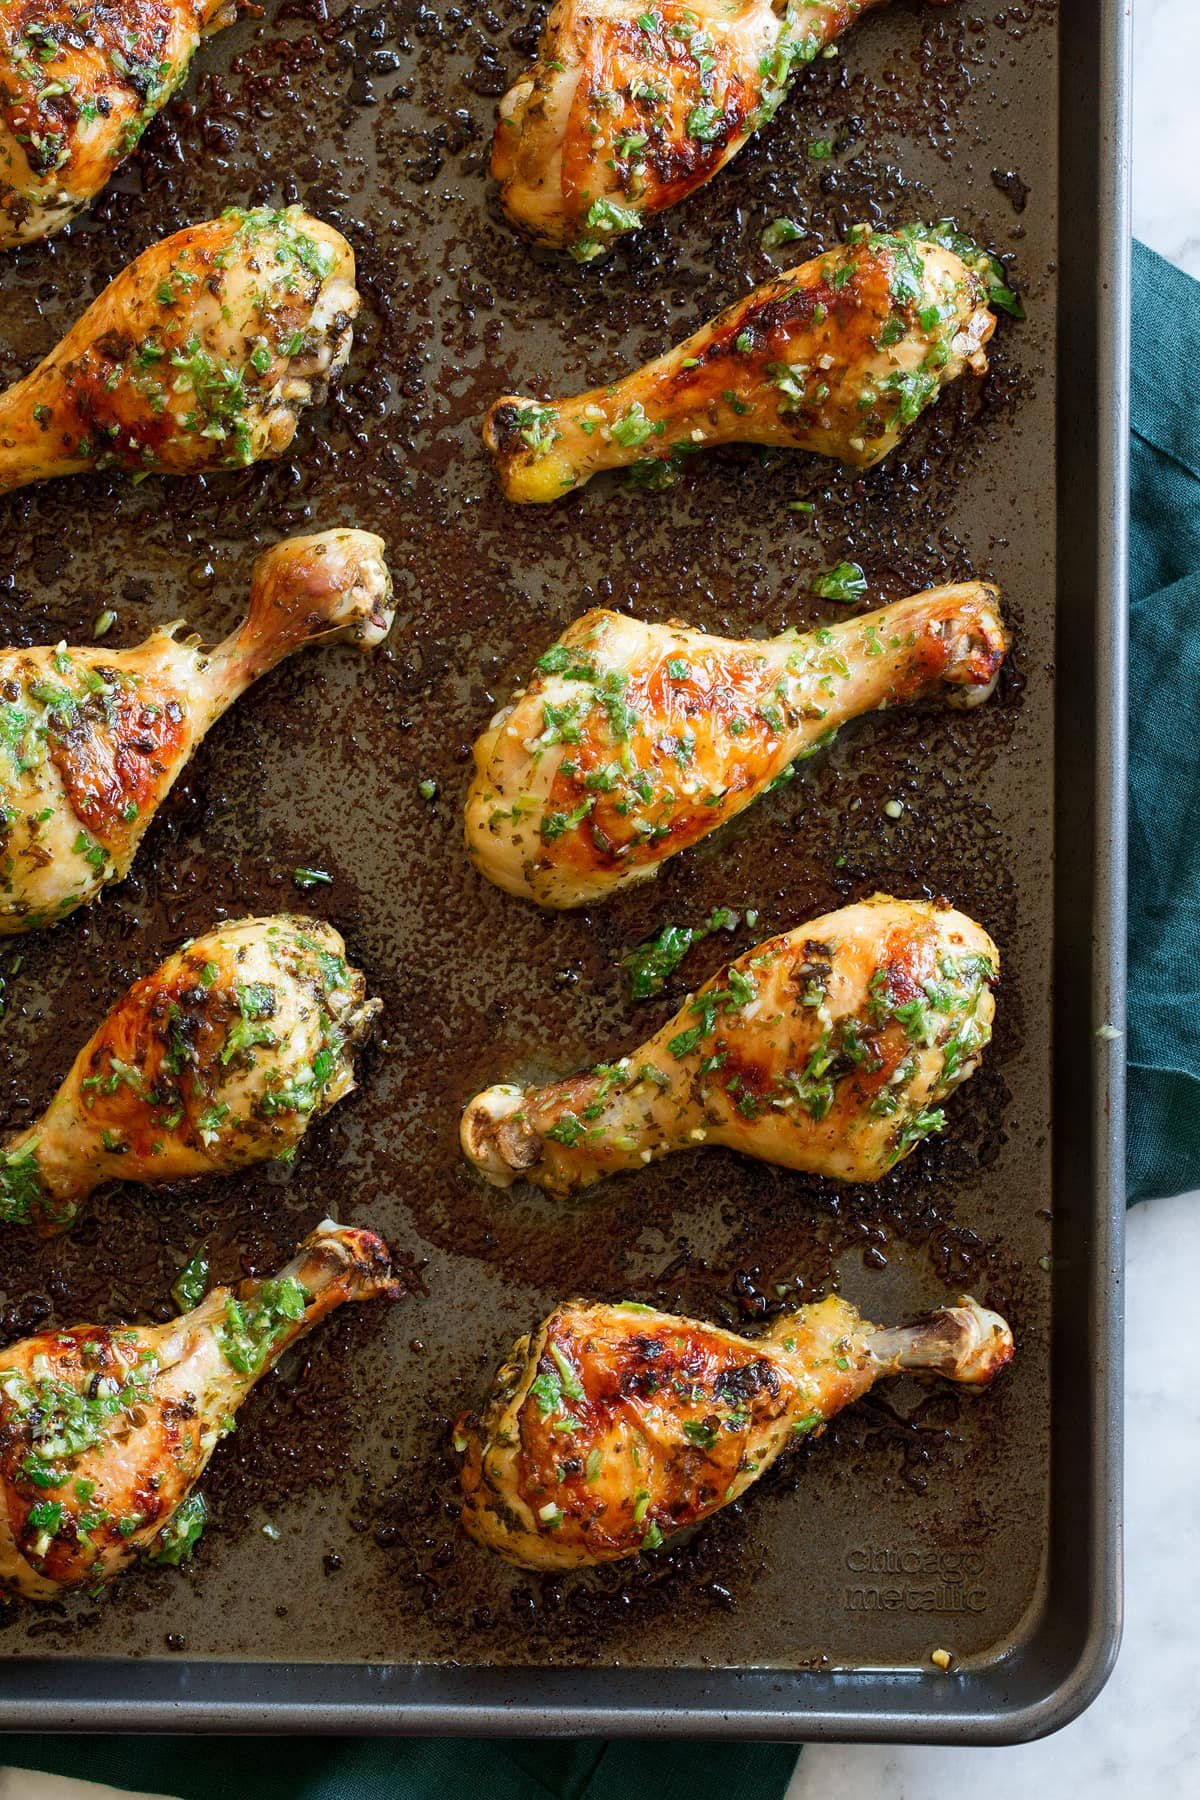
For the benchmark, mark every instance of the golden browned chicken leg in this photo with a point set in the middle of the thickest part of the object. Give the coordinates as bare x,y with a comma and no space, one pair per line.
613,1426
104,1432
92,740
632,741
837,356
219,1058
827,1049
78,86
200,356
629,107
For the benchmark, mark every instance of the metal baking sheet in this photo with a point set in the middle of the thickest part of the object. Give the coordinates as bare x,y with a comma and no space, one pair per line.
986,1525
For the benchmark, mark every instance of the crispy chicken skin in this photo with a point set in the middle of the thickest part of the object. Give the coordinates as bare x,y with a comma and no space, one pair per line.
629,107
612,1427
200,356
838,356
827,1049
632,741
220,1058
104,1432
79,83
92,740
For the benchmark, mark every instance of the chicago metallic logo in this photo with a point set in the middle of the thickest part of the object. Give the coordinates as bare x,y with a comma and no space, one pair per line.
887,1579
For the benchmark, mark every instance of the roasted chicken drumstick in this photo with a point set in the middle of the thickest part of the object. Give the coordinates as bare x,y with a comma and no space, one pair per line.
632,741
629,107
78,86
200,356
104,1432
219,1059
612,1427
91,740
827,1049
837,356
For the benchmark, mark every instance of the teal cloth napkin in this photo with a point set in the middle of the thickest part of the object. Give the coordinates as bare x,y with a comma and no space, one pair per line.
413,1768
1163,1154
1164,1147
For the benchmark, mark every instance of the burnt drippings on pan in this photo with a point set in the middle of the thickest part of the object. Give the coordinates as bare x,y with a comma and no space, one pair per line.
379,119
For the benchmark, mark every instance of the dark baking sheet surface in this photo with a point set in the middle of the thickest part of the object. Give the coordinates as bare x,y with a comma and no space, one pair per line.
922,1518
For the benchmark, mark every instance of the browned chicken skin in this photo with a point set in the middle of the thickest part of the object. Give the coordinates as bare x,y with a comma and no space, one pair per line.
632,741
104,1432
79,82
631,106
838,356
611,1427
220,1058
200,356
827,1049
92,739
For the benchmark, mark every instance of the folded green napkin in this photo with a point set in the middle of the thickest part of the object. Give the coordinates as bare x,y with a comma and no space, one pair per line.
413,1768
1164,733
1164,1148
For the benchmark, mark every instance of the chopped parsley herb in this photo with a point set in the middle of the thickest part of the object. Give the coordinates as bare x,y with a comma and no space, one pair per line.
780,231
179,1536
90,851
913,392
705,122
571,1385
21,1195
211,1120
700,1433
684,1042
190,1285
611,694
918,1125
546,1390
989,268
652,964
560,659
256,1004
608,219
253,1329
538,428
845,583
633,427
566,1130
555,824
46,1516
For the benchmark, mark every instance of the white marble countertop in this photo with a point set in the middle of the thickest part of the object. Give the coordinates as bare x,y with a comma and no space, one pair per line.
1141,1736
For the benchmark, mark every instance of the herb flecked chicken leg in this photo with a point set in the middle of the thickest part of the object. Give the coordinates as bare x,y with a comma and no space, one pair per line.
633,740
200,356
78,86
838,356
92,740
218,1059
828,1049
611,1427
629,107
105,1431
